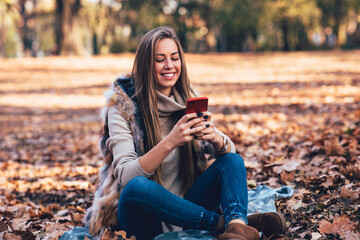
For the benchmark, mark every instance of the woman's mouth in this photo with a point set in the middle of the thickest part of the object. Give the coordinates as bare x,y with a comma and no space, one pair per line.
168,76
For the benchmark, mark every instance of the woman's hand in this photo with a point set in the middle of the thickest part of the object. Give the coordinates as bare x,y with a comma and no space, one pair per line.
209,133
185,130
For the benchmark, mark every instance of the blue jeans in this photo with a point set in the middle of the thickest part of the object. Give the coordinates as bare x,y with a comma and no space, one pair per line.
144,204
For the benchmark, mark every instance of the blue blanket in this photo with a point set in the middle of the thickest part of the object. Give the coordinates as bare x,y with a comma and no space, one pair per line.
262,199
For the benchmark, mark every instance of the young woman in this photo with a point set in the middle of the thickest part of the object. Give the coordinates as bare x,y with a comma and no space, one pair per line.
155,176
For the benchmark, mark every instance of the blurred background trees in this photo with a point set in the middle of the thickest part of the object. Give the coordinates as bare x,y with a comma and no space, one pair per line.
90,27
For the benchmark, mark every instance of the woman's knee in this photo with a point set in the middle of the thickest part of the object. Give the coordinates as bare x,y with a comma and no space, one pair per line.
232,160
136,187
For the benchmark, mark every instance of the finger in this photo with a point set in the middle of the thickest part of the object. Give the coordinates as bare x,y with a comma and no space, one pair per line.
206,117
187,117
204,129
208,137
202,123
208,114
205,136
196,130
207,131
208,127
208,134
195,122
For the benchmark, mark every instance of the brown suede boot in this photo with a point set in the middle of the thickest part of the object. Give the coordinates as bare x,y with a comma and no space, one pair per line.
238,231
268,223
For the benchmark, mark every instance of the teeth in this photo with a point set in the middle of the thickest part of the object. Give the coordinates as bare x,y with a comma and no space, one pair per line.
169,75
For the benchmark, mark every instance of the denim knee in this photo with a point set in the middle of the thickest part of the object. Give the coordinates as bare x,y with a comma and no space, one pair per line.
135,188
231,160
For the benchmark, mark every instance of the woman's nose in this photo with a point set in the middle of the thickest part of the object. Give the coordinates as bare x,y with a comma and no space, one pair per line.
168,64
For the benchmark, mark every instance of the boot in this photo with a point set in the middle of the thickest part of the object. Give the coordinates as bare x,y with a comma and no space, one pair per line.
268,223
238,231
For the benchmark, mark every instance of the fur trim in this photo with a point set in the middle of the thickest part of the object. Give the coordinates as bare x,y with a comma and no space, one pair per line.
102,213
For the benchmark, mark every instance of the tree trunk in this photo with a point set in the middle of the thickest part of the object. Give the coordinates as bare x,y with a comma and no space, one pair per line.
285,30
68,30
2,34
27,31
338,9
303,42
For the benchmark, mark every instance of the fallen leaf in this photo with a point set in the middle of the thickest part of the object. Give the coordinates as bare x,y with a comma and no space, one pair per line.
332,147
287,177
3,225
351,171
340,224
25,235
315,236
350,235
77,217
346,192
294,229
20,223
10,236
54,230
107,235
122,234
288,166
297,205
251,183
20,212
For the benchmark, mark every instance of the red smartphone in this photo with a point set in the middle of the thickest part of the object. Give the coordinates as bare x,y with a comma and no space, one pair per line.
196,105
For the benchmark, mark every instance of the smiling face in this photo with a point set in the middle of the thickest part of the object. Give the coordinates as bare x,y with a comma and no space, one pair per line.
167,65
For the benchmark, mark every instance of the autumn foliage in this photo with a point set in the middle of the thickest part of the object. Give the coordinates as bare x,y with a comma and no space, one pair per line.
294,117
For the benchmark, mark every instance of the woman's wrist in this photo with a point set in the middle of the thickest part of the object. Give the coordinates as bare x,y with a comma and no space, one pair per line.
168,144
220,144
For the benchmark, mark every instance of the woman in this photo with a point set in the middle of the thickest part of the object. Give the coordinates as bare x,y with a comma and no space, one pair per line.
155,176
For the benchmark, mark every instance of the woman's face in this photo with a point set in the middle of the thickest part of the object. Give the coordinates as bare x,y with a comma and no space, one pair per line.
167,65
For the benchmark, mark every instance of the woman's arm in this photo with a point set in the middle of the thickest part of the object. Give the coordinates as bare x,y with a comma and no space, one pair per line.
121,143
127,163
182,133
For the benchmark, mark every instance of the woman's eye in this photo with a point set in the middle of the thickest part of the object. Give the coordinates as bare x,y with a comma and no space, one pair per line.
161,60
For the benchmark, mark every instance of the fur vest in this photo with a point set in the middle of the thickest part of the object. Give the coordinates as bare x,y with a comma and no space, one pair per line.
103,212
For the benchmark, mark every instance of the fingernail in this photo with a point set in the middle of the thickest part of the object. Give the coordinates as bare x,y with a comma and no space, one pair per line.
199,114
207,125
206,117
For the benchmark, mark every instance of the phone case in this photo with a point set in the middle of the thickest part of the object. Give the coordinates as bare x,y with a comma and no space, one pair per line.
196,105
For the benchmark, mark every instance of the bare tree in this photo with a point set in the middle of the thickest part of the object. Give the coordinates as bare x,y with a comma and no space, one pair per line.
68,34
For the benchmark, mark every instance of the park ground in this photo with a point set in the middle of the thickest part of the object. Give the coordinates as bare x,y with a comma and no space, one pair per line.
294,117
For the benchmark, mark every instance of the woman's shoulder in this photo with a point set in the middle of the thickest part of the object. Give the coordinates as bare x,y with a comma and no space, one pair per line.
118,98
124,83
117,117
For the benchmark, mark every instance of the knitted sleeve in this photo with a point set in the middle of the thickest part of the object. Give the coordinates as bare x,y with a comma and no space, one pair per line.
121,143
232,145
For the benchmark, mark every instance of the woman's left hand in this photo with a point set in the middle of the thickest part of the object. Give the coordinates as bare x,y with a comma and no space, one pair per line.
209,133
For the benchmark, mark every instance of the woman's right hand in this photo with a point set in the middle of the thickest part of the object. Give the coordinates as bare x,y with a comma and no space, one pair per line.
183,131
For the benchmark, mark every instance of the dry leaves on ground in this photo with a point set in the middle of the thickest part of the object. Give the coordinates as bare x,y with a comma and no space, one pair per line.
294,117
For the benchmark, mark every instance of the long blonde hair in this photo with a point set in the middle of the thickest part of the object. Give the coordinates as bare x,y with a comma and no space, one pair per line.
145,90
